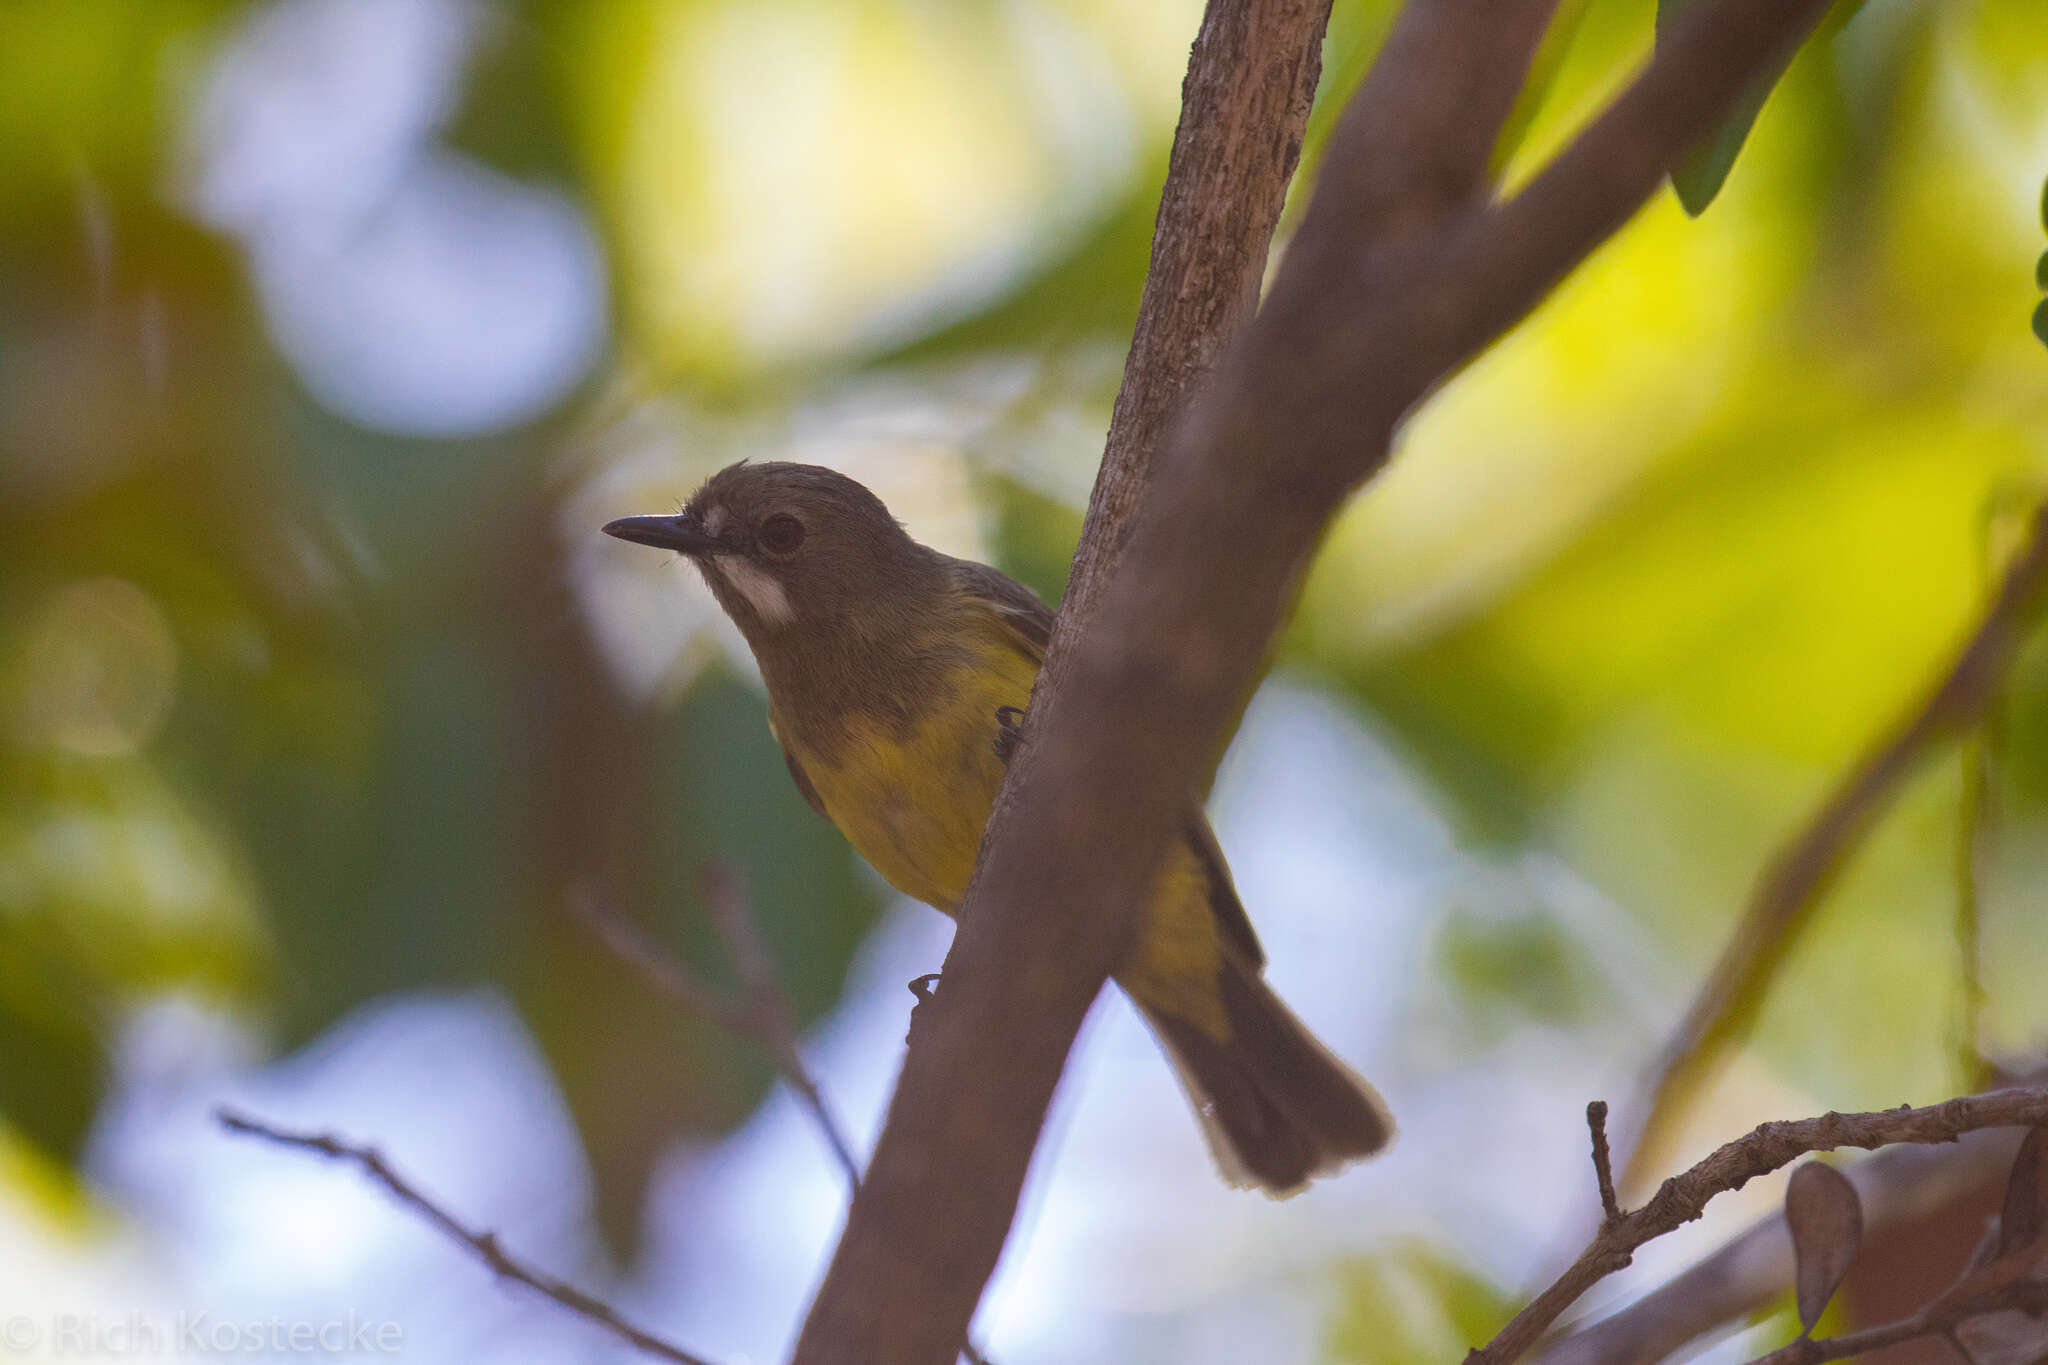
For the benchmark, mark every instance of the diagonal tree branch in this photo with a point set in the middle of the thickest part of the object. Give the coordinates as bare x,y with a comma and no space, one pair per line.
926,1227
483,1245
1388,288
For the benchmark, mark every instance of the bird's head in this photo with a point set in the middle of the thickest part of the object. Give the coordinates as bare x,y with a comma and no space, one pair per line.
782,544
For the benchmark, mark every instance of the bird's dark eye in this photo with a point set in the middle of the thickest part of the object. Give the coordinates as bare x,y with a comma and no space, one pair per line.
781,533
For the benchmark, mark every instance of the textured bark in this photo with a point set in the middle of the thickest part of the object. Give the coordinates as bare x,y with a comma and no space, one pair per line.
1402,270
926,1227
1905,1190
1244,107
1768,1147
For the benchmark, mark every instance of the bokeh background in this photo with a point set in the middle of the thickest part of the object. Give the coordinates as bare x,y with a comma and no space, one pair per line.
331,330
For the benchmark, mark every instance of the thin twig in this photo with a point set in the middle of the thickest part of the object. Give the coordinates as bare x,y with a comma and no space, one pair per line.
1684,1197
1813,1351
768,1009
630,944
1603,1164
1785,898
1897,1186
483,1245
1973,817
1939,1319
761,1011
1977,812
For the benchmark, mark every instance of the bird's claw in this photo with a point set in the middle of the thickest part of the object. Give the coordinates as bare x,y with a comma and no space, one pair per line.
921,987
1009,725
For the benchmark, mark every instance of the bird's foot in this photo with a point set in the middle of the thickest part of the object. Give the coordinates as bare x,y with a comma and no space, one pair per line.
1009,725
921,987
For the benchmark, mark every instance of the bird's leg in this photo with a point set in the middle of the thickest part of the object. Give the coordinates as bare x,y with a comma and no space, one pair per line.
921,987
1009,725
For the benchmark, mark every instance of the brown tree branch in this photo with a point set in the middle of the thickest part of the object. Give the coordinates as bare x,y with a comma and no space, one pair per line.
927,1226
1791,888
483,1245
760,1012
1684,1197
1251,78
1389,286
1751,1269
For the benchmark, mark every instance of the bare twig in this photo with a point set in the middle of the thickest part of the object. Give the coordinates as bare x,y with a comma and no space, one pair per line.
768,1011
1973,815
1401,271
630,944
1897,1186
1998,1288
1785,898
1603,1165
1684,1197
483,1245
1813,1351
760,1012
1977,813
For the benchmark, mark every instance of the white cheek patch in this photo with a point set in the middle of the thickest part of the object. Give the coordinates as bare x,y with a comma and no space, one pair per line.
764,593
714,521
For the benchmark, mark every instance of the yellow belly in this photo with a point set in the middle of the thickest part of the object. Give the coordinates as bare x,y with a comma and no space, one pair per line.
914,806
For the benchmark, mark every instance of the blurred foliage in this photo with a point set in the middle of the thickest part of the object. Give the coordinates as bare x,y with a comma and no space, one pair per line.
298,709
1409,1305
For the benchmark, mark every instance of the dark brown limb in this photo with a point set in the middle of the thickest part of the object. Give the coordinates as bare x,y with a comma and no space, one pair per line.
1684,1197
483,1245
925,1231
1791,888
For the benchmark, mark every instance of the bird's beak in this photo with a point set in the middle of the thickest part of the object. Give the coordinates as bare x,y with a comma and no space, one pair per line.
681,532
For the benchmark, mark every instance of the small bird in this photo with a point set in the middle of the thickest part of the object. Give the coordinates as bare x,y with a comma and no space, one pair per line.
896,675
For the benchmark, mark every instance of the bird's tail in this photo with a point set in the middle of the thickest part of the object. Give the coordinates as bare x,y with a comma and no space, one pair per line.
1278,1108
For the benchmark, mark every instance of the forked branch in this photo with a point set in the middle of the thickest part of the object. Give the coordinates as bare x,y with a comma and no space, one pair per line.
1770,1146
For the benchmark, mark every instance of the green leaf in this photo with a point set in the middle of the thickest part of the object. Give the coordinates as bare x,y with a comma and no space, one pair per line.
1543,69
1702,171
2041,318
